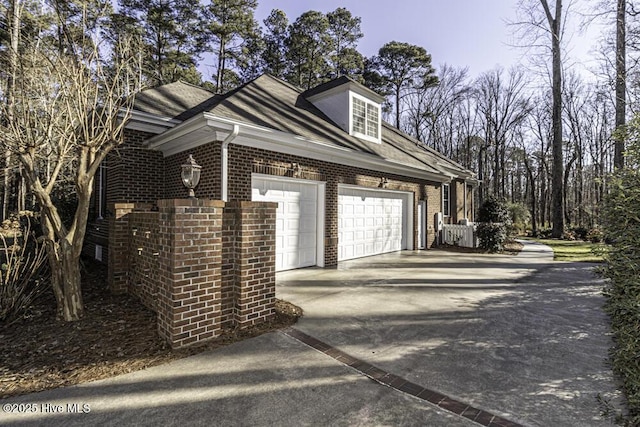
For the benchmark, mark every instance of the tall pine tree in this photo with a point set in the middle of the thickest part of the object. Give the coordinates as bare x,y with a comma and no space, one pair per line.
171,47
232,33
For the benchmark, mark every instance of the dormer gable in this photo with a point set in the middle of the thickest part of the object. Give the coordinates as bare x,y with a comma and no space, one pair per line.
355,108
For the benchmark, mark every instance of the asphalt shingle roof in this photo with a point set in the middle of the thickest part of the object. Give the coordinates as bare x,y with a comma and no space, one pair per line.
272,103
174,100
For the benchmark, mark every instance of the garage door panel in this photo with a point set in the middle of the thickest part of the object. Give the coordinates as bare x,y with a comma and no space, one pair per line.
370,222
296,220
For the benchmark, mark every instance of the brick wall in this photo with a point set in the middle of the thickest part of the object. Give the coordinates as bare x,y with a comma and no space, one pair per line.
135,174
242,160
190,251
254,262
434,203
207,156
172,259
160,178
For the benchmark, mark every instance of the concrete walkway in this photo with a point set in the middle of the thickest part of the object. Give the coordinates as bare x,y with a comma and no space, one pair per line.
520,337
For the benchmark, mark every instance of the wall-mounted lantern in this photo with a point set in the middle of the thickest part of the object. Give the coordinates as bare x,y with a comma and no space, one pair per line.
191,175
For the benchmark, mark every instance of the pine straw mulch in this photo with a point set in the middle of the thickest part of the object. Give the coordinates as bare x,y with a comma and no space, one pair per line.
117,335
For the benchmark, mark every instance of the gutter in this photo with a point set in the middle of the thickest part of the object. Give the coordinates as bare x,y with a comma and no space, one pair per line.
198,130
224,182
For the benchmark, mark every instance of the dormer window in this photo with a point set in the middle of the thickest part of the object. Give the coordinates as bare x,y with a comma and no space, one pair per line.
365,119
353,107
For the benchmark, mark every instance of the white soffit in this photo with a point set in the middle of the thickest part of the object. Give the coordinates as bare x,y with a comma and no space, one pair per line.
205,128
151,123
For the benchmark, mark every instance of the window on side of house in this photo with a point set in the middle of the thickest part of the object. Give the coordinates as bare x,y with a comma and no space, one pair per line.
365,119
446,204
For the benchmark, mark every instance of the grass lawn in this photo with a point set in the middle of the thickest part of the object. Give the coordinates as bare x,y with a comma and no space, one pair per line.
573,250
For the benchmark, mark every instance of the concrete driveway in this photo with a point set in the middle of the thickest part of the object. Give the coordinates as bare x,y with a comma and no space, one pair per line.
450,340
522,337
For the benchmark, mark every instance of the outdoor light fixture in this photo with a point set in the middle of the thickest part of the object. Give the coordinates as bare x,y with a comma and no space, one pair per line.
191,175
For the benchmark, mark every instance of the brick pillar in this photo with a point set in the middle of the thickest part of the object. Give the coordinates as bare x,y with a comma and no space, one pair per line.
229,257
190,255
118,265
255,285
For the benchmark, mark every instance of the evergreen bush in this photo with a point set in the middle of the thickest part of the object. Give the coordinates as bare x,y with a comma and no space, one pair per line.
494,220
621,226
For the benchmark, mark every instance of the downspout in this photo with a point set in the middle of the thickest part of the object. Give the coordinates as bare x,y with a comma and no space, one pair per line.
224,182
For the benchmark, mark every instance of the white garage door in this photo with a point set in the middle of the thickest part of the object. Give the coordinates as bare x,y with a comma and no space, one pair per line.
296,219
370,222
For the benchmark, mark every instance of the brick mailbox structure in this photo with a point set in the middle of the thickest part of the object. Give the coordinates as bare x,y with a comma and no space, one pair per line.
201,265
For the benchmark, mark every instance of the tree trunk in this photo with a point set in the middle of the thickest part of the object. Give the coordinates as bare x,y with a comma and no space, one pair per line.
65,278
398,106
567,174
15,13
557,190
220,75
621,84
481,190
65,273
532,200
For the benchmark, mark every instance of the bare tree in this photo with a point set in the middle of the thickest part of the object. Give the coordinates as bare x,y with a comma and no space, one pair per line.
503,106
431,110
545,20
70,110
14,14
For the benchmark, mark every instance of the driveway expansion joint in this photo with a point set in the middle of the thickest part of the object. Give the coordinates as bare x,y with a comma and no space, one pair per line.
400,384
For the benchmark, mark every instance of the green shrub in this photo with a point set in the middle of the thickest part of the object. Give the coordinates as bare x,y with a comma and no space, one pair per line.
494,221
621,226
492,236
494,209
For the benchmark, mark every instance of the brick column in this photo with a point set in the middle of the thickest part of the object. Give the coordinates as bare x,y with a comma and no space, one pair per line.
255,262
190,254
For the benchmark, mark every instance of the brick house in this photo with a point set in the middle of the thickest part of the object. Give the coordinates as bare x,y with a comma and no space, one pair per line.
342,183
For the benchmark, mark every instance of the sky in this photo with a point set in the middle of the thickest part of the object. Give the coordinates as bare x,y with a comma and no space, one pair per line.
460,33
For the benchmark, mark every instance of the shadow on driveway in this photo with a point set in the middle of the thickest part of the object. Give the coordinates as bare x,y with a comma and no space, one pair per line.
525,338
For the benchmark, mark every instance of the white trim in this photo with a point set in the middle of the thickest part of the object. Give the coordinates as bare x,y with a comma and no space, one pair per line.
320,208
151,123
448,210
422,224
351,86
206,127
224,161
366,102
